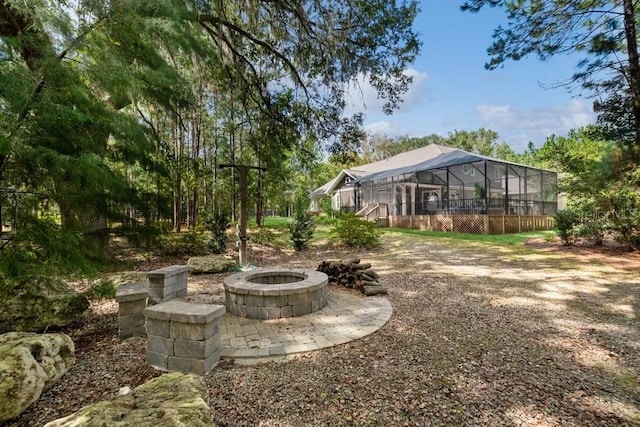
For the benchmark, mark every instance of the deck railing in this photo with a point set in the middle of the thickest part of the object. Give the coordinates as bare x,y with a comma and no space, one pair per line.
474,206
473,224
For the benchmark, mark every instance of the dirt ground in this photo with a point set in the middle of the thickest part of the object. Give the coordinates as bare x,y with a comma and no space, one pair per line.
534,335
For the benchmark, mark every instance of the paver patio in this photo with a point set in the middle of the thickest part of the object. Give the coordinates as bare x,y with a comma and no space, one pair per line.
346,317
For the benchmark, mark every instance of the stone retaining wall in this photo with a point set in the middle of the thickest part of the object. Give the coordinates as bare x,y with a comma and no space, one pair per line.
132,300
167,283
183,336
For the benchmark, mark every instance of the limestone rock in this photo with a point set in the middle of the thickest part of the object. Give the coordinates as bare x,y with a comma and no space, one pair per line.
210,264
174,399
124,277
29,364
35,303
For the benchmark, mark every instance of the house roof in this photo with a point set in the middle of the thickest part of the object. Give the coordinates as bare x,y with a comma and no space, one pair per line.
452,158
401,160
407,158
432,156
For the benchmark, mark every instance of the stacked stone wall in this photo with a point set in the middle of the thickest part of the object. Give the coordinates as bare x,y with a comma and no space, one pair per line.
167,283
183,336
132,300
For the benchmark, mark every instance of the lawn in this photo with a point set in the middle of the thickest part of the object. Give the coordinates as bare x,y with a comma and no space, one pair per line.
278,226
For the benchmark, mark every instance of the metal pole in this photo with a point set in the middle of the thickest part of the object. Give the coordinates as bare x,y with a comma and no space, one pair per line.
242,235
243,170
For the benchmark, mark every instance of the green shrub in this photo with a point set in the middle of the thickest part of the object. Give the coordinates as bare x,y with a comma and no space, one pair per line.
326,208
627,230
324,219
217,223
191,242
350,230
102,289
565,224
593,230
263,236
42,247
624,207
302,227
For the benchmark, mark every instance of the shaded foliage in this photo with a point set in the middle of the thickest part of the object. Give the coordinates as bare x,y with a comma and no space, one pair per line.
602,33
217,223
119,112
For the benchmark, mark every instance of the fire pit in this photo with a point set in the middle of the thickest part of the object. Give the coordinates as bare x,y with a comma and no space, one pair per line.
272,293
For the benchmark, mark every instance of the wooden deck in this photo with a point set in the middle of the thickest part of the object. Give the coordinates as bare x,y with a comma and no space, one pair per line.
472,224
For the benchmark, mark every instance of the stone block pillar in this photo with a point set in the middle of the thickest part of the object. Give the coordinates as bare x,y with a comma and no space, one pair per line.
132,300
167,283
183,336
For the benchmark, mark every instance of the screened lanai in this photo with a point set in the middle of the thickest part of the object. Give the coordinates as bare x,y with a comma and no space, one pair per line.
456,182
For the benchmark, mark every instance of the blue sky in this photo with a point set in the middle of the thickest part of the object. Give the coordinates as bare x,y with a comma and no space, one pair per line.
453,91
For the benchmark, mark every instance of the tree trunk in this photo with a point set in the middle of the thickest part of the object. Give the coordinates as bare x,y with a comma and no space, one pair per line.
196,168
259,201
634,73
177,175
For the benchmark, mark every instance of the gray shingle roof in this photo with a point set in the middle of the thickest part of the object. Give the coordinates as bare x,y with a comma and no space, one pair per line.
432,156
401,160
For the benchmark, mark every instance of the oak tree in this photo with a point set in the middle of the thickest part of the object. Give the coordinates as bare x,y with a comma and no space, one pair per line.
602,32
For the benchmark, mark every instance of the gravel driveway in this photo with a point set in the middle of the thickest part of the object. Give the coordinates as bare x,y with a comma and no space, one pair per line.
480,335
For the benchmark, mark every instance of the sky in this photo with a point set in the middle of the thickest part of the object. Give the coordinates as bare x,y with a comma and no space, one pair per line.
453,91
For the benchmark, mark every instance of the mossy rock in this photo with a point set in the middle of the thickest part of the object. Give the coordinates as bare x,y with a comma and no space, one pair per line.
33,304
29,364
174,399
210,264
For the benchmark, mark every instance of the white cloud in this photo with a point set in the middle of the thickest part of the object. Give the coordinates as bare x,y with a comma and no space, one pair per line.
361,97
519,126
382,127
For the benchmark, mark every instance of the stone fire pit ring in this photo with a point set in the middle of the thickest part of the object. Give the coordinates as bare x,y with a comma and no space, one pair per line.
272,293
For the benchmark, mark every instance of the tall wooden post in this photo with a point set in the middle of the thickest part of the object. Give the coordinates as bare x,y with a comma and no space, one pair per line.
243,171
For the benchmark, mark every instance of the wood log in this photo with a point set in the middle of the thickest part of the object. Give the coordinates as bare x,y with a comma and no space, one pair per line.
371,273
369,283
361,266
351,273
368,278
374,290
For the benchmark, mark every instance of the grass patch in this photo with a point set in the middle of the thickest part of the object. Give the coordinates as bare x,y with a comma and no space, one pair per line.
278,222
516,239
626,380
280,236
275,232
322,233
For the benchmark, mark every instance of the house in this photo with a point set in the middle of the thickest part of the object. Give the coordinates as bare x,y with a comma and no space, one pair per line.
442,188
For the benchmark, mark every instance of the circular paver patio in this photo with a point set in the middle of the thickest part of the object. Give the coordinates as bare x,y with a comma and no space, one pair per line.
345,318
